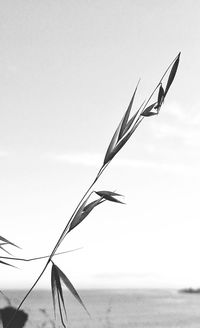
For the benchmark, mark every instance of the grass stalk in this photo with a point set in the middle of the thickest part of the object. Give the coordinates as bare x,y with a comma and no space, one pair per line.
124,131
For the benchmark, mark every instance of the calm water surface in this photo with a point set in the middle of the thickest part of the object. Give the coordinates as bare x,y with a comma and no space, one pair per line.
114,309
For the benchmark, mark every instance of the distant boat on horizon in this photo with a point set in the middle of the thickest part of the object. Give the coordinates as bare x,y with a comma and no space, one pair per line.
190,290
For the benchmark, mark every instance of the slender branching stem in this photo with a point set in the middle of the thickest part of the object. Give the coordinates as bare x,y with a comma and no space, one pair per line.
27,294
58,242
36,258
136,121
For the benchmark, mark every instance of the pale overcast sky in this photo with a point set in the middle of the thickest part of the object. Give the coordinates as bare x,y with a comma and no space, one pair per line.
67,73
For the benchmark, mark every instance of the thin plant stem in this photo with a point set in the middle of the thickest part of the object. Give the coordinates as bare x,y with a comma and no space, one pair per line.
27,294
36,258
137,121
74,213
57,244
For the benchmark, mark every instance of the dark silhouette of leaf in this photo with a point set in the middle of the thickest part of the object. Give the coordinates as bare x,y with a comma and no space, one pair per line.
113,199
83,212
102,193
53,288
122,142
108,195
88,208
131,121
60,295
57,289
71,288
3,249
161,94
127,114
120,131
172,73
2,262
112,144
148,111
8,242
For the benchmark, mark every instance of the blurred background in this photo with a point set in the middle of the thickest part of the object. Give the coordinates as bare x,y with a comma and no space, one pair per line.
67,72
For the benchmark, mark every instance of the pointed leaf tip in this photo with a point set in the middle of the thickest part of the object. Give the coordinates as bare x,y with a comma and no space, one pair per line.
148,111
57,291
108,195
127,114
5,263
83,212
8,242
172,73
120,131
71,288
102,193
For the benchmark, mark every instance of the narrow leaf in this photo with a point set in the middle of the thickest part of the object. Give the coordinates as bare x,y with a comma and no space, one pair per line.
102,193
53,289
125,139
81,215
77,217
133,118
113,199
71,288
2,262
7,241
127,114
108,195
60,294
160,96
147,111
3,249
172,73
112,144
120,131
60,310
57,290
88,208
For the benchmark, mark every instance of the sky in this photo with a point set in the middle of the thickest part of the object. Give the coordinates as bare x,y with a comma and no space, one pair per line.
68,71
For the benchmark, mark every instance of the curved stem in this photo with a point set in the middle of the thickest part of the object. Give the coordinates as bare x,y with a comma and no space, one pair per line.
27,294
36,258
57,244
74,213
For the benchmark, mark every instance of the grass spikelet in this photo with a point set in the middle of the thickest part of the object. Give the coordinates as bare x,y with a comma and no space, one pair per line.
57,293
172,73
148,110
108,195
120,131
83,213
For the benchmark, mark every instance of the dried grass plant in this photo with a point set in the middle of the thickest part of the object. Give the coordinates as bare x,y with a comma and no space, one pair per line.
124,131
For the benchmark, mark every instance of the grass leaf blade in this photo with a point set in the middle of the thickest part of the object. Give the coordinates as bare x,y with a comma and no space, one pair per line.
172,73
82,215
8,242
108,195
53,289
125,139
112,144
102,193
148,111
127,114
5,263
71,288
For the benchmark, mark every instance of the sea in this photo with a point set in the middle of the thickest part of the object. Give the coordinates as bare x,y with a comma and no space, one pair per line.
118,308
